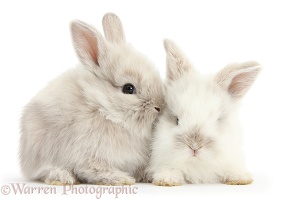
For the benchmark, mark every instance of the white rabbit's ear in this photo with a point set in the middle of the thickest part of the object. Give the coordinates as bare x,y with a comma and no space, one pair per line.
88,43
237,78
113,28
177,63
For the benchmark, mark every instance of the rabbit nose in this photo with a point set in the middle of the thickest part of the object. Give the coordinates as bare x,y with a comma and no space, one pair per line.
157,108
194,152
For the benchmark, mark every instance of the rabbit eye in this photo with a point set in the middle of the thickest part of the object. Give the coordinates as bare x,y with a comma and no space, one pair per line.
177,121
129,89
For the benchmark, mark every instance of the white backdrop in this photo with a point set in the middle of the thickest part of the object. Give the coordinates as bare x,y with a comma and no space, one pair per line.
35,46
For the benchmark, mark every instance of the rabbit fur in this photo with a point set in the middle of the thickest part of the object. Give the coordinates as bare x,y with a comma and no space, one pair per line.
82,127
198,138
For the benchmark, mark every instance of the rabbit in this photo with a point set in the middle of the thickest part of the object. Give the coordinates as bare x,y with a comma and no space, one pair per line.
198,138
92,124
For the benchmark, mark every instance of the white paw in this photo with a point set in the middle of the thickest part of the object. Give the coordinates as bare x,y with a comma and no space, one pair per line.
169,178
242,178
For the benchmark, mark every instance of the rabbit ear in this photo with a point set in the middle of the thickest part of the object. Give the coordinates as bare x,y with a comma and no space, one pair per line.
88,43
177,63
238,78
113,28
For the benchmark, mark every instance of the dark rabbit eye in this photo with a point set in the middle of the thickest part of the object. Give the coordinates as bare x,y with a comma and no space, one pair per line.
129,89
177,121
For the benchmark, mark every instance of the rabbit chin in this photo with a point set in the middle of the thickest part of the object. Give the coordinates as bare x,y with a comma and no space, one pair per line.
201,167
203,172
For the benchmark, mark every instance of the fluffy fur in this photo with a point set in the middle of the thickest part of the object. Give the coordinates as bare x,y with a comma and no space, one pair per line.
198,138
82,127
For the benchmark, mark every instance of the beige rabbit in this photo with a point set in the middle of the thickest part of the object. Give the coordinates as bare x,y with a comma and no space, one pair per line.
92,124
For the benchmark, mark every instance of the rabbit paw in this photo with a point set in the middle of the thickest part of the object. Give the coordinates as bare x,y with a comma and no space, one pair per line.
117,180
59,176
239,182
168,179
165,182
242,179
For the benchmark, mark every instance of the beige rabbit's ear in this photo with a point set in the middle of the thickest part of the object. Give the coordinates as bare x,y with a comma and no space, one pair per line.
176,61
88,43
113,28
238,78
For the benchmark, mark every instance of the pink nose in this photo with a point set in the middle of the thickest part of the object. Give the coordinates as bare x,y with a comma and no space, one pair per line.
194,152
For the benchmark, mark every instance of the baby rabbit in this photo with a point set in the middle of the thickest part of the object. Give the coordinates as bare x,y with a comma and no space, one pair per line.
197,138
93,123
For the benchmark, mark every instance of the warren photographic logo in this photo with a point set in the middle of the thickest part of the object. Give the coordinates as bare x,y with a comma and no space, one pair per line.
98,191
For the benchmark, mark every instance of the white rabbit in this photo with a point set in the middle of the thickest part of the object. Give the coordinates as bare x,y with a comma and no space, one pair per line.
93,123
198,138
